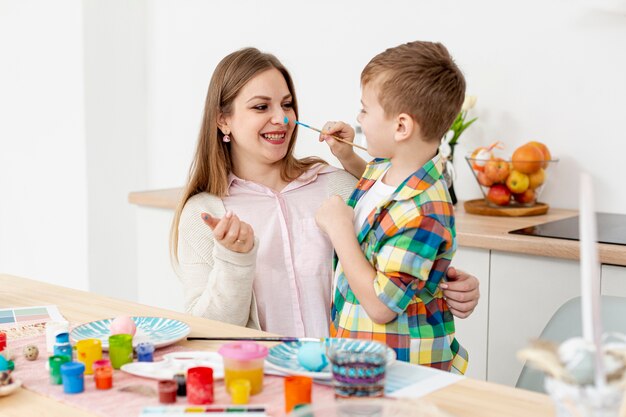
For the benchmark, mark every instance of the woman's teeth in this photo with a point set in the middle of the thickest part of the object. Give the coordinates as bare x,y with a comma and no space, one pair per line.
274,136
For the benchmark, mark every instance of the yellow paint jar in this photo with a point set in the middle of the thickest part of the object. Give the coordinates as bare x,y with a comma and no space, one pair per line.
244,360
88,351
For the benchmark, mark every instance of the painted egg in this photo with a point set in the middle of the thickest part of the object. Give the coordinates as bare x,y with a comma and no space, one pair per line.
312,356
123,325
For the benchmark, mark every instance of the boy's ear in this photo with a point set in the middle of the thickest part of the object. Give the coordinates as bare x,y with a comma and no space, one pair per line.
405,127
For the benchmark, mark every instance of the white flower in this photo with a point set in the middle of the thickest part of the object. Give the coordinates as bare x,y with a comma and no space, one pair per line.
469,102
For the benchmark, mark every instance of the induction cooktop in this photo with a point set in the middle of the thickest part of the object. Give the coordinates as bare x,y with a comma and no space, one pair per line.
611,229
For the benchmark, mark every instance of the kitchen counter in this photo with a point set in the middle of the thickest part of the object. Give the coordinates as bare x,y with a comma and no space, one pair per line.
474,231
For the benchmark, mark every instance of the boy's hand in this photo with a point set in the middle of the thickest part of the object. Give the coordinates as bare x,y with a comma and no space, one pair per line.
231,232
343,130
335,216
461,292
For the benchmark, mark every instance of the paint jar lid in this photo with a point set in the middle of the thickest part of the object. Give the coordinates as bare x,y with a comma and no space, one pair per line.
55,362
63,338
243,351
72,368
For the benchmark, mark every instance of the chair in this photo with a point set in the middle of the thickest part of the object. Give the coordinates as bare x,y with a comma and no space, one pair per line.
566,323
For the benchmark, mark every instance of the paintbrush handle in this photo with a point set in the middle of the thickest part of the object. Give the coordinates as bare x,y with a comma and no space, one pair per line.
255,339
347,142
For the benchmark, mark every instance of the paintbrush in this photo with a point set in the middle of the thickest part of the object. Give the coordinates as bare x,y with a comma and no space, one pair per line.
258,339
286,120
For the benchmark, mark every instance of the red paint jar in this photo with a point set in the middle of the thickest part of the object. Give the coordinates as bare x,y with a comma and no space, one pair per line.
200,385
103,375
167,392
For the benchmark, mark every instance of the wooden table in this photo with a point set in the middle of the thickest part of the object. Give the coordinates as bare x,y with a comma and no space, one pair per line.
470,398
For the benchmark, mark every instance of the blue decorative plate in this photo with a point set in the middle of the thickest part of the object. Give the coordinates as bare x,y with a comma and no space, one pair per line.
284,357
159,331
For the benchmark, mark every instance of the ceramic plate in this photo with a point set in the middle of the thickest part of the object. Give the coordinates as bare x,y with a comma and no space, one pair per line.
160,331
176,362
284,357
9,389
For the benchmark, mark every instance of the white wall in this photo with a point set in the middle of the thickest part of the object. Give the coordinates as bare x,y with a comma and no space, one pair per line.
99,98
547,70
43,188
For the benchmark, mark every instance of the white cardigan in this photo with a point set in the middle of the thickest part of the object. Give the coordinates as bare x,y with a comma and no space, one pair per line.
217,282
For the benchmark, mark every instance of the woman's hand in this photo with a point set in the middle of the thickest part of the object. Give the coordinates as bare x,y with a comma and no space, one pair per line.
231,232
461,292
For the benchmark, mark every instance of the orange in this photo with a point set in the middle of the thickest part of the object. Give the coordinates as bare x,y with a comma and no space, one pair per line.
546,152
527,159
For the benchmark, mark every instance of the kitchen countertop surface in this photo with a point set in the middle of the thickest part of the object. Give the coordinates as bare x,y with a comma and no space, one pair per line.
473,231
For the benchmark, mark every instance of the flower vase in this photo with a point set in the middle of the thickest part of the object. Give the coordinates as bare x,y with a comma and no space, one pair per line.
449,176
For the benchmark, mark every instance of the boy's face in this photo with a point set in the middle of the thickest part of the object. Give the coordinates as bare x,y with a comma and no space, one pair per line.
377,127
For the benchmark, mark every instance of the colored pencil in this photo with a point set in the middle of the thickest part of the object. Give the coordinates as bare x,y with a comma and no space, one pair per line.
333,136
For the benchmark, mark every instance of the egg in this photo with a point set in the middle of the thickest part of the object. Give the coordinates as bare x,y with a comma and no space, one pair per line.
31,352
123,325
312,356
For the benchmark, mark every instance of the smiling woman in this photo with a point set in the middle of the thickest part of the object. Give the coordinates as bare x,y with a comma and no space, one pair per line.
244,241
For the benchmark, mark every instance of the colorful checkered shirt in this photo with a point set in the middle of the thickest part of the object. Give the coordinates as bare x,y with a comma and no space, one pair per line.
409,239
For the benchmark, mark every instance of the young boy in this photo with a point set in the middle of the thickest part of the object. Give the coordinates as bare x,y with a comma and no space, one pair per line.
387,276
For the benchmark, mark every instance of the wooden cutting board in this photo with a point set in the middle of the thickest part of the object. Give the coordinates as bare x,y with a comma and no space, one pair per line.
481,207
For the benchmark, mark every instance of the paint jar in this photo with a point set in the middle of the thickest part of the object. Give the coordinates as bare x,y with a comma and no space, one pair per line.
54,363
200,385
167,391
244,360
145,352
88,351
181,382
101,362
73,374
103,376
120,350
53,328
358,369
240,391
3,340
62,346
297,391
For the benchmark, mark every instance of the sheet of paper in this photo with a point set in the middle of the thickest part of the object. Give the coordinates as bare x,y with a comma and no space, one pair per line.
19,322
404,380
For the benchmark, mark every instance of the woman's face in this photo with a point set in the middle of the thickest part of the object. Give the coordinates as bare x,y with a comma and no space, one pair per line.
259,134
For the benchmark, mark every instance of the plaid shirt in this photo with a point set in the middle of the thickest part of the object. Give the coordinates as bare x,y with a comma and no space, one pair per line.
409,239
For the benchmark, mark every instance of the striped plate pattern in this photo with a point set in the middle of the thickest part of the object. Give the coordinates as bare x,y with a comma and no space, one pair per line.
284,357
159,331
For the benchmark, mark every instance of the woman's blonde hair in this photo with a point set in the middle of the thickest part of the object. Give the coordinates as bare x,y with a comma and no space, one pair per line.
213,160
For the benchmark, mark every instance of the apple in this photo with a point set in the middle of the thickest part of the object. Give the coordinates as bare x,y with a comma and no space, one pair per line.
499,194
497,169
517,182
527,197
536,178
483,179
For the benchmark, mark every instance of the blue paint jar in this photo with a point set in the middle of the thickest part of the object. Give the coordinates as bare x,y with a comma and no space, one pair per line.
62,346
145,352
73,374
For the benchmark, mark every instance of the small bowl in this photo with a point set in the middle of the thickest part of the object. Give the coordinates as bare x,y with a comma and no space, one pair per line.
504,186
10,388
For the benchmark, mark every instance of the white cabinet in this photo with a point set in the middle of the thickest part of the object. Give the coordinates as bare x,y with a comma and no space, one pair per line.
524,292
613,280
472,331
157,284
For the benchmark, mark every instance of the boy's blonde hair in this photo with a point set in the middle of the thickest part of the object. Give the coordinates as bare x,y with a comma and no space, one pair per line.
420,79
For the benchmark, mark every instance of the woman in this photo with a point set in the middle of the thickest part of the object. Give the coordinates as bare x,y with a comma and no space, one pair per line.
244,240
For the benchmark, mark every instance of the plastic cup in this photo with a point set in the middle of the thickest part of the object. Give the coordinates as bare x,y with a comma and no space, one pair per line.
120,350
358,371
244,360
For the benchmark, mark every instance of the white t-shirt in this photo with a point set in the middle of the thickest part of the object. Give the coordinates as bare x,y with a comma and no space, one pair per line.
376,194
